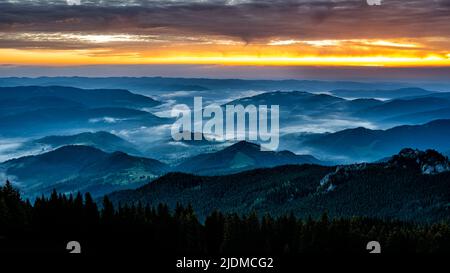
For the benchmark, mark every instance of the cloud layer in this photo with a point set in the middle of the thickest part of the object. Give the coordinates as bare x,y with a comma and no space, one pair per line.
245,20
228,27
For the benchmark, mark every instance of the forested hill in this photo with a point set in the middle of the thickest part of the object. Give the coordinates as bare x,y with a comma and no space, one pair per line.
412,186
160,232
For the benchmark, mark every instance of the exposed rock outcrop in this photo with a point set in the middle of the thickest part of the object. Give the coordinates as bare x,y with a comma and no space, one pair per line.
429,162
339,176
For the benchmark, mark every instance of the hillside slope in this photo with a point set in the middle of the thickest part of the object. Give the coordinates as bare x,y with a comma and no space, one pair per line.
411,186
239,157
80,168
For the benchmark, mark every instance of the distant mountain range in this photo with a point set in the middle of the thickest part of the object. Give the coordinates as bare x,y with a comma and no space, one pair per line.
363,144
401,107
27,98
412,186
441,95
84,168
384,94
299,108
158,84
101,140
239,157
45,121
80,168
420,117
322,105
295,101
36,110
53,120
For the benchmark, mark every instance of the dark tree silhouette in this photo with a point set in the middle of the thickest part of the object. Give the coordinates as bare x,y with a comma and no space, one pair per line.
52,221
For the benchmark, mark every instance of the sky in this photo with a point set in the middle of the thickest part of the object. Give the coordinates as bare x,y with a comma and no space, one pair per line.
312,36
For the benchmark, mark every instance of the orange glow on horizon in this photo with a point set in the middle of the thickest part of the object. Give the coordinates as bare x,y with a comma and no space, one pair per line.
131,50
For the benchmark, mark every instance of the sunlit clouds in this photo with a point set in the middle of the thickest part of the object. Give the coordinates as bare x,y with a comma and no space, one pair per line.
291,33
140,49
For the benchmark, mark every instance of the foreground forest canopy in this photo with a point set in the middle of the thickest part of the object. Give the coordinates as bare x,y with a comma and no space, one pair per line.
49,223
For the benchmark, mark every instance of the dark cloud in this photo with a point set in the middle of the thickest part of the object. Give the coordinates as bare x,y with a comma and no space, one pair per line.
245,20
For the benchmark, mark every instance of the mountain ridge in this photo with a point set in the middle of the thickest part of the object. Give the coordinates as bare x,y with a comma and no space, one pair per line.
387,94
87,97
369,145
74,168
239,157
102,140
382,190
